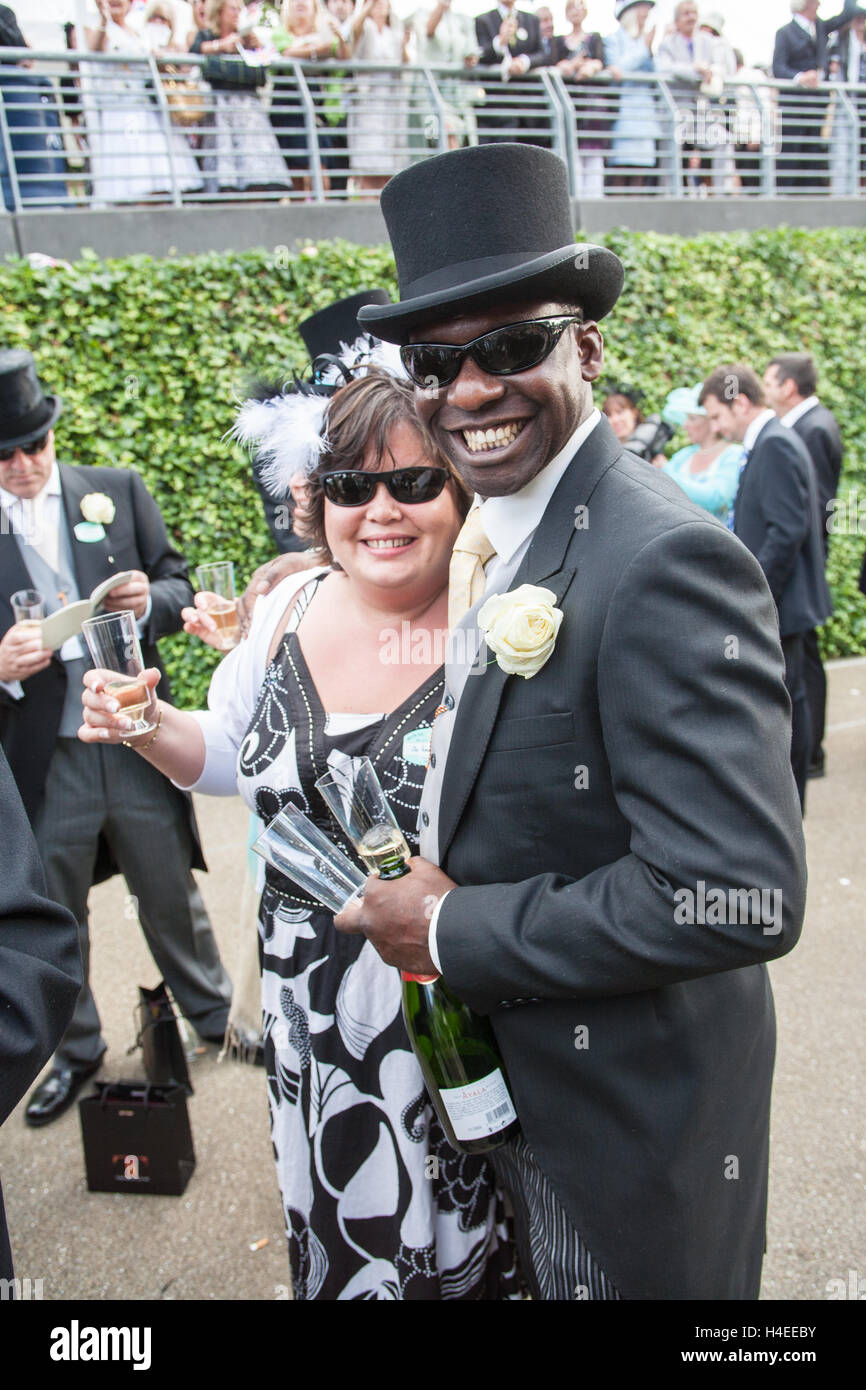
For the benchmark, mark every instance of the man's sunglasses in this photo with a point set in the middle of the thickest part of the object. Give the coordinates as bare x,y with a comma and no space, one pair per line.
35,448
354,487
504,352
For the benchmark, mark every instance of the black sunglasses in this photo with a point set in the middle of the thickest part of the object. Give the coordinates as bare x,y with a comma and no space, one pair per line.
354,487
504,352
35,448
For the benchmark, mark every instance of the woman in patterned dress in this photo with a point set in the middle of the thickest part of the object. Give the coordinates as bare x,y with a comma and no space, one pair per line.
377,1204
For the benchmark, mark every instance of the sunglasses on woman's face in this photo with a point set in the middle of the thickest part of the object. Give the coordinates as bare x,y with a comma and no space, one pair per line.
354,487
503,352
30,449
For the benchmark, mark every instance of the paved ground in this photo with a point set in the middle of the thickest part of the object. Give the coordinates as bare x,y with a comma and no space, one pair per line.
94,1246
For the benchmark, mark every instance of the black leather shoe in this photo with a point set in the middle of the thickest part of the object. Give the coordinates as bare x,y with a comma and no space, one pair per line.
57,1092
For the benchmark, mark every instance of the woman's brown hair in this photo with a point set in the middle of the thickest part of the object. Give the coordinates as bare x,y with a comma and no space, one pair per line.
359,415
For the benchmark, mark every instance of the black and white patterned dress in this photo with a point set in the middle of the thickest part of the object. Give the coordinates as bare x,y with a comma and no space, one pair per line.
377,1203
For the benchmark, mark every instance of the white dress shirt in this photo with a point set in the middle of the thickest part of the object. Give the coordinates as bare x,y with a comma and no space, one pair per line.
510,523
798,411
751,435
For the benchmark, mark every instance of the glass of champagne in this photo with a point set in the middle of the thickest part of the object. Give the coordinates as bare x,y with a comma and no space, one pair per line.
297,848
356,800
112,640
28,607
217,582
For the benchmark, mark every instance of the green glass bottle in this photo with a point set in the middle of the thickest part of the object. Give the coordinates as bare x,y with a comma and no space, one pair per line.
461,1065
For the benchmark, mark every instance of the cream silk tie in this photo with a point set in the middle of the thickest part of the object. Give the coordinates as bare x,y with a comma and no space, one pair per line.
472,550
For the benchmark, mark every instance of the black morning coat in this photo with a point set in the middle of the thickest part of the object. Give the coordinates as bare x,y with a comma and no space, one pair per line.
135,539
820,434
40,966
796,51
776,516
487,28
650,755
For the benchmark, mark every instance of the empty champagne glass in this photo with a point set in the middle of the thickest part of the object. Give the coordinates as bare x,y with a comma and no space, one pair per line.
297,848
355,797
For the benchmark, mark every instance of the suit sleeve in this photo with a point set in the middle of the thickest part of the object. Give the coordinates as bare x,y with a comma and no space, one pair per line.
485,34
782,66
165,567
40,964
696,731
786,504
825,451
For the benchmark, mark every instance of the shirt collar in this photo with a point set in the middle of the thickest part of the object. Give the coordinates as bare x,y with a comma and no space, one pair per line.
509,521
798,411
755,428
805,24
51,489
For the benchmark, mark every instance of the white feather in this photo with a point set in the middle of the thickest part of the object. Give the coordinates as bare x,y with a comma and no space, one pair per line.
287,432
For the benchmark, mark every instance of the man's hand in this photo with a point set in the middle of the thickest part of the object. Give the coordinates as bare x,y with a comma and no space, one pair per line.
22,653
394,914
131,595
807,79
507,30
267,577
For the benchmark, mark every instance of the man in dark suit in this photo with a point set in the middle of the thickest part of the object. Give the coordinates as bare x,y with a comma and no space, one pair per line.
776,516
790,382
93,810
509,39
40,966
800,56
578,809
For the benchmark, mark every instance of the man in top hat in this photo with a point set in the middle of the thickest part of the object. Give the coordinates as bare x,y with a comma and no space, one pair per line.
609,799
63,530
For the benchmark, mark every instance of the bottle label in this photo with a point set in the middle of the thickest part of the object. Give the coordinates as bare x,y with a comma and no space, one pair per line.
419,979
480,1109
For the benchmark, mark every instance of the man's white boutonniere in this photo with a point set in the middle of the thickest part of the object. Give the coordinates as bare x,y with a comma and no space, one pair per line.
522,34
97,506
520,628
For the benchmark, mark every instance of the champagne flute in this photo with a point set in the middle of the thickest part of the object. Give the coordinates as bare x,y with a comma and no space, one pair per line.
356,800
297,848
28,607
112,640
216,581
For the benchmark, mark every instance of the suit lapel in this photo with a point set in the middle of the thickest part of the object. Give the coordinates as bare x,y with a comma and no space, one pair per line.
544,563
92,560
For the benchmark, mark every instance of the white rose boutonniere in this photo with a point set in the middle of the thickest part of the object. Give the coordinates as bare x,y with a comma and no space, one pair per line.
98,507
520,628
522,34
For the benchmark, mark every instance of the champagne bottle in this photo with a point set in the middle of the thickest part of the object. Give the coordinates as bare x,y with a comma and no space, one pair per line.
460,1063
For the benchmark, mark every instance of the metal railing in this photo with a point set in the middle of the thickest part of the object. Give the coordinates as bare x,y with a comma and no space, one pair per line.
101,130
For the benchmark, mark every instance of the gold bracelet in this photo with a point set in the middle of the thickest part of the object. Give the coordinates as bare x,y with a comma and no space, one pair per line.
138,747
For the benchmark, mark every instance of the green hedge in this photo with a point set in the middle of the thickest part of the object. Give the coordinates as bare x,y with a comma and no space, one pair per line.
150,355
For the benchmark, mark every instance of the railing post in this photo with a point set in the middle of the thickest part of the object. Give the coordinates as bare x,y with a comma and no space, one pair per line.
676,180
564,124
10,155
310,131
439,103
165,114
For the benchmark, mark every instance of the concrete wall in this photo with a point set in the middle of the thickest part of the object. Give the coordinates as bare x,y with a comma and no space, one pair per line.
163,231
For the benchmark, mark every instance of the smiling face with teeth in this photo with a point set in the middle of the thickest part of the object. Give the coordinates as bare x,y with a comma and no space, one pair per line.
390,547
500,431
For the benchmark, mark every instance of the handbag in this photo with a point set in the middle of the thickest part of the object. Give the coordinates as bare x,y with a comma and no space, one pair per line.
186,101
136,1138
233,72
161,1048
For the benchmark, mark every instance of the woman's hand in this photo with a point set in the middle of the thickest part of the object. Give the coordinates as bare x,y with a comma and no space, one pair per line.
198,623
103,721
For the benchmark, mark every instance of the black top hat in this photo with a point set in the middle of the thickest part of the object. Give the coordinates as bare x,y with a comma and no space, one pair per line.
326,330
484,226
25,411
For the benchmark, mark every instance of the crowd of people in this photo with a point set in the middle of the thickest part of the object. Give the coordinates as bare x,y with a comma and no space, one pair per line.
232,130
571,895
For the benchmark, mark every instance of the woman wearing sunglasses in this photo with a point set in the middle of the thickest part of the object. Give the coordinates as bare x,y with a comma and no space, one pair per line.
346,659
